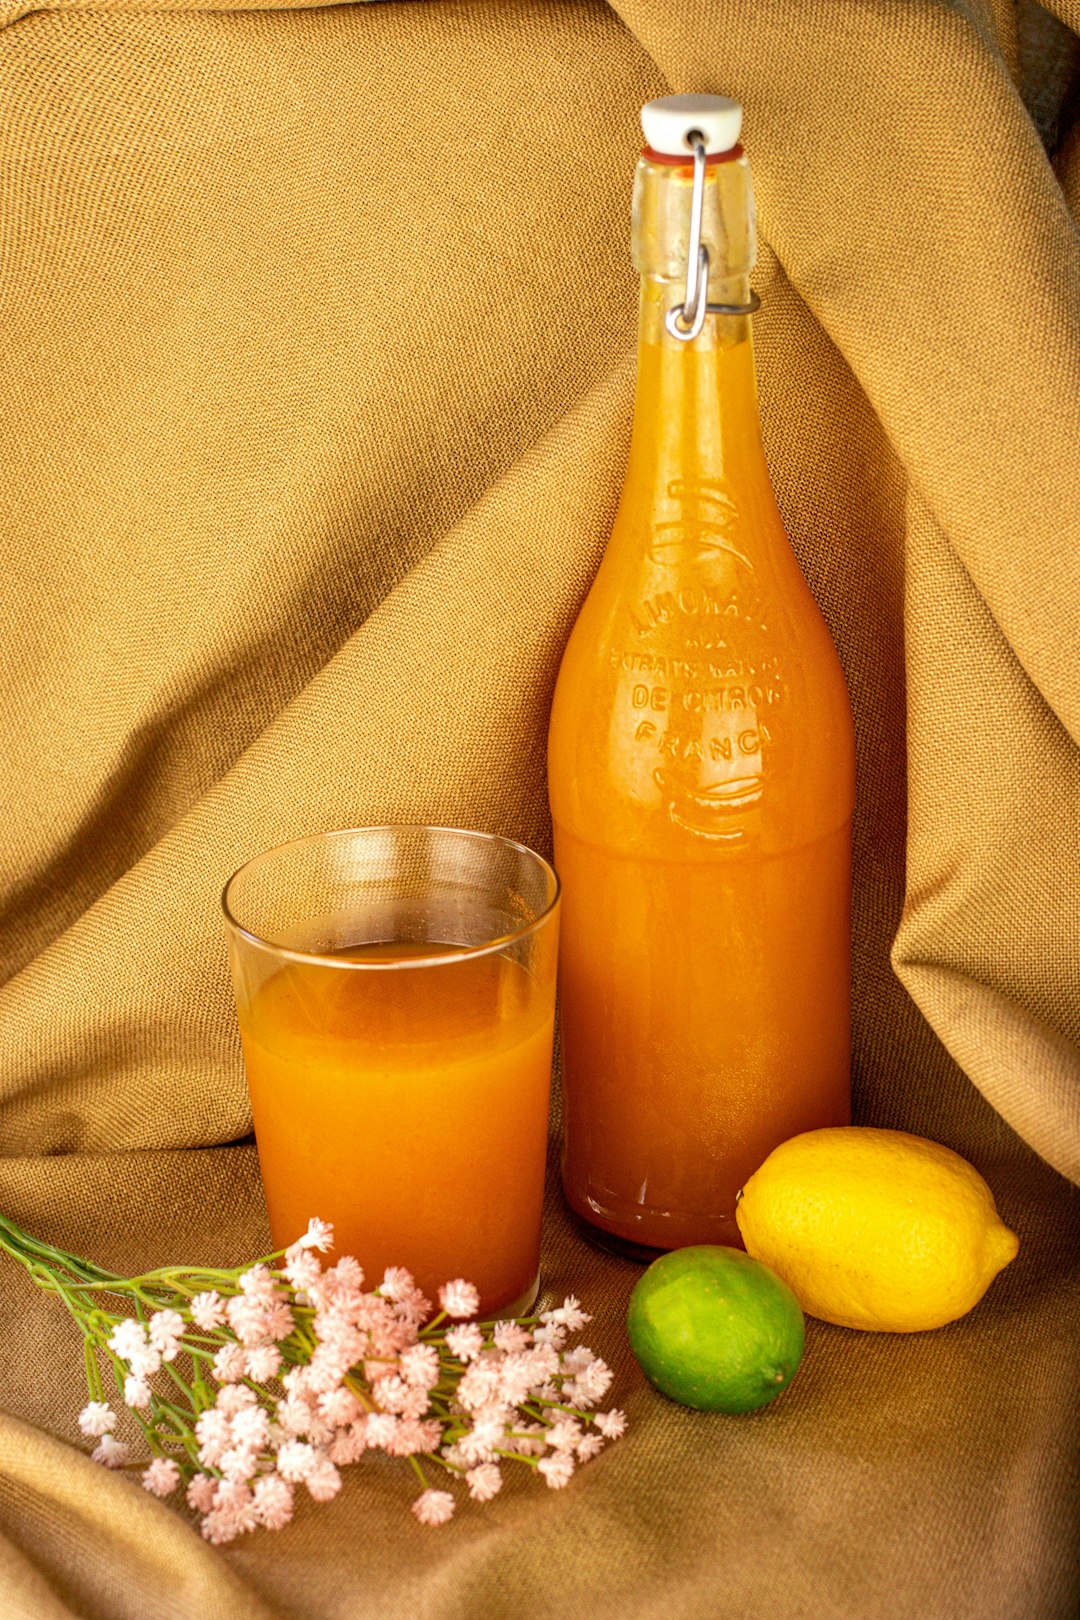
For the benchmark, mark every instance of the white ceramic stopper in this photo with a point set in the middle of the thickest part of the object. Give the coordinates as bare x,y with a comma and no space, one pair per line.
668,120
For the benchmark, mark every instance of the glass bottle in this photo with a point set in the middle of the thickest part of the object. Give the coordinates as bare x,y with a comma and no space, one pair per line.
701,766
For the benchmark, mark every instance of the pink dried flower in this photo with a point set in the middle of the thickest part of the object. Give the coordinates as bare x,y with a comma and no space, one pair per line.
166,1331
295,1460
238,1462
230,1364
543,1361
258,1282
251,1427
319,1235
339,1407
465,1342
381,1429
420,1365
509,1336
459,1298
557,1469
458,1392
568,1315
391,1332
130,1342
319,1432
564,1434
246,1318
301,1267
487,1434
213,1430
481,1383
201,1492
109,1452
144,1361
414,1309
234,1506
234,1398
528,1438
552,1333
162,1477
137,1393
218,1527
322,1479
279,1320
96,1418
127,1336
295,1415
337,1333
329,1366
263,1363
411,1437
208,1310
429,1432
392,1393
273,1500
349,1445
397,1283
257,1318
593,1382
434,1507
484,1482
344,1278
417,1403
519,1375
232,1495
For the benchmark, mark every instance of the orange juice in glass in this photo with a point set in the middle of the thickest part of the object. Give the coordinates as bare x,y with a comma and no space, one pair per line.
395,992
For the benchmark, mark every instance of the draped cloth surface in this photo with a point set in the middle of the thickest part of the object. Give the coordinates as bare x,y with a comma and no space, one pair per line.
316,374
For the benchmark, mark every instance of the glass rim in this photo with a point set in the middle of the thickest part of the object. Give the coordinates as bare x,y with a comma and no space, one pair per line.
457,953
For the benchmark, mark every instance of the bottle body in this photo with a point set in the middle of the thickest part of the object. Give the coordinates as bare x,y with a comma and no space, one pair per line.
701,772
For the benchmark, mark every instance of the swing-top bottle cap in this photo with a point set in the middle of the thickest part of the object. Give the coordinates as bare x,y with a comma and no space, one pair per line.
669,120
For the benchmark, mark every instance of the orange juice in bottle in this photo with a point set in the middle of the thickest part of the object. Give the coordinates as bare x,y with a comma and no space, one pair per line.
701,759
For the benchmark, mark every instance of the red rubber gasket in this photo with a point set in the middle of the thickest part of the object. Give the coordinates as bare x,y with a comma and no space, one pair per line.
678,162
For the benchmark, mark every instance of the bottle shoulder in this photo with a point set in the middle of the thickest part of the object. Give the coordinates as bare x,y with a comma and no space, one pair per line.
700,697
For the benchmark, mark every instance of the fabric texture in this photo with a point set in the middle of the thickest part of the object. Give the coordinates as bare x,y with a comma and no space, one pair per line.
317,369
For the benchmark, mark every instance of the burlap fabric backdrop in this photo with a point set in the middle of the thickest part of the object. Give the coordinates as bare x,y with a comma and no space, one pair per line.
316,374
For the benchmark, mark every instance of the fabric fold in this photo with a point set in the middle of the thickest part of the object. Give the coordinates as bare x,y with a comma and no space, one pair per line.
317,334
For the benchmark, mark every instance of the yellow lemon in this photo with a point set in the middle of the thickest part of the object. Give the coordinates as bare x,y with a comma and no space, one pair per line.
875,1229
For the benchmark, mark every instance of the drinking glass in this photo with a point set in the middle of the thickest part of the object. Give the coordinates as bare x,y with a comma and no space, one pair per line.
395,991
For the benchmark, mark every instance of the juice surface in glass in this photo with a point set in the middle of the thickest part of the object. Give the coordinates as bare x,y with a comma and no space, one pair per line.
701,773
408,1106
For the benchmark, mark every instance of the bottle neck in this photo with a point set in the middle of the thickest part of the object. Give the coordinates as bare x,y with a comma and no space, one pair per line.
696,408
696,412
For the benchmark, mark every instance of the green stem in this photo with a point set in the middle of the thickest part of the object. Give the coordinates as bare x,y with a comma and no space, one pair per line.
21,1246
451,1468
181,1383
93,1371
532,1407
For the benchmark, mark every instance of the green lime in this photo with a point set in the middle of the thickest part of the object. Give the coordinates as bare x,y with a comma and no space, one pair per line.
715,1329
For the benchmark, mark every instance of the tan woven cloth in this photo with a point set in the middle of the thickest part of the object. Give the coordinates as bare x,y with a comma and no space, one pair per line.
316,370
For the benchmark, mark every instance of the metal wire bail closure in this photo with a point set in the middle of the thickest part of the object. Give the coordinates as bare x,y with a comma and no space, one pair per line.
686,320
